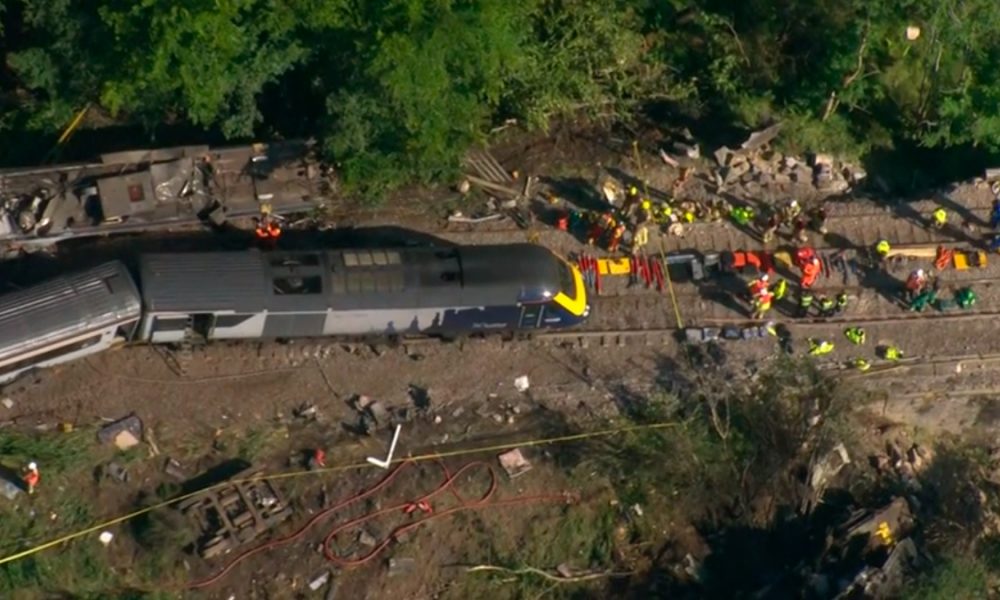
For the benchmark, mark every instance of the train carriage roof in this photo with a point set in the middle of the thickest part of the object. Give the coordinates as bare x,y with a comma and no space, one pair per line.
354,279
65,307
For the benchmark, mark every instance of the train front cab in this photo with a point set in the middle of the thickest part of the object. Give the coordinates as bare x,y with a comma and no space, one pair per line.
565,307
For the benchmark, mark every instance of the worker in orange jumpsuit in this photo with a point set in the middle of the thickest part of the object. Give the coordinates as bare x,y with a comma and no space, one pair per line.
810,272
31,477
758,286
267,232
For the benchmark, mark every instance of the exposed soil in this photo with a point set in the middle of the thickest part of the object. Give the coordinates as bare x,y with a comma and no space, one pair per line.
235,399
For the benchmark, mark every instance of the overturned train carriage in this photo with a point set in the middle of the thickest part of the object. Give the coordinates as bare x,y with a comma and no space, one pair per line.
396,291
67,318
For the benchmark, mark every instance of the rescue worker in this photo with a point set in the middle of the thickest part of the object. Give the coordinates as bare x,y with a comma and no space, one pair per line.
640,237
810,272
604,223
805,302
31,477
965,298
791,211
915,283
856,335
742,215
817,220
939,218
861,364
819,347
841,302
827,306
762,304
758,286
631,198
771,228
616,237
780,289
799,233
882,249
923,300
267,231
892,353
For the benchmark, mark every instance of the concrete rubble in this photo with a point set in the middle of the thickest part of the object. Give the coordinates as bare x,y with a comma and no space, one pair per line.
514,463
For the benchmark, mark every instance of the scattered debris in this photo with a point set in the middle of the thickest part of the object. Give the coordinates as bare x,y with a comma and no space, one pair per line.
124,433
521,384
421,397
366,539
106,537
174,469
9,489
401,566
116,471
319,581
234,515
306,411
514,463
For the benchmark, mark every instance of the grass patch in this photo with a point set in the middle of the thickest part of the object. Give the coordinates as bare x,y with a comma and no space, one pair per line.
959,576
256,441
54,452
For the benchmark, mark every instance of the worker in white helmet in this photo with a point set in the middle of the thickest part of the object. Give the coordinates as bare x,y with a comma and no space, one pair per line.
31,477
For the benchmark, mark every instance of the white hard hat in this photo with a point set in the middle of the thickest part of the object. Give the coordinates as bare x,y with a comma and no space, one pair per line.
920,272
794,202
32,466
763,277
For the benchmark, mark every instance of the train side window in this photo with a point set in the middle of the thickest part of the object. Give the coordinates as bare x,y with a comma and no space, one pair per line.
51,354
365,259
393,258
298,285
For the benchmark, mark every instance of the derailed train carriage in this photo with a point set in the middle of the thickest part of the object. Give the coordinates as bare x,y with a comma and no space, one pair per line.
286,294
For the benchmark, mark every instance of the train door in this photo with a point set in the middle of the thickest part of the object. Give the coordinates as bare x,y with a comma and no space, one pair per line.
531,315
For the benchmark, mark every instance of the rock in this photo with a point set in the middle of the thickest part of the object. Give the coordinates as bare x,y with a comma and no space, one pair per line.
366,539
521,384
790,162
722,156
319,581
689,150
117,472
401,566
9,489
7,403
564,570
822,160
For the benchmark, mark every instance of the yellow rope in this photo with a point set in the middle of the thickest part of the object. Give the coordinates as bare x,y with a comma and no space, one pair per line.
420,458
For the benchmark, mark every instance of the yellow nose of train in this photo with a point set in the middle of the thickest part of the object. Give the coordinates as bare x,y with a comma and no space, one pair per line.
574,299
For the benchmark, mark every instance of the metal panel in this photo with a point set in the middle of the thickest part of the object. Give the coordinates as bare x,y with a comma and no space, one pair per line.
204,282
294,325
65,307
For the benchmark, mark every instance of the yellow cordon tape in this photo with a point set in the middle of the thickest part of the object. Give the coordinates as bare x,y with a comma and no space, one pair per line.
421,458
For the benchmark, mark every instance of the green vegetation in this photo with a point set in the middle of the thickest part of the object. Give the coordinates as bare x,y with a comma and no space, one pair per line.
953,577
397,89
